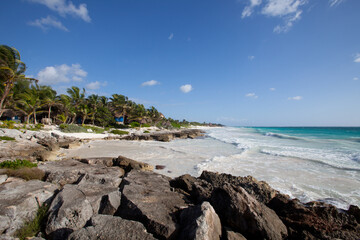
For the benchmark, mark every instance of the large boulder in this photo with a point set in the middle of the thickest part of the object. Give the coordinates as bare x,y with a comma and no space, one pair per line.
315,220
109,227
259,189
73,171
245,214
200,222
76,204
148,198
128,164
20,200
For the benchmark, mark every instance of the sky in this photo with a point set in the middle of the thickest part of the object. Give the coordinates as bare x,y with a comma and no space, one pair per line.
235,62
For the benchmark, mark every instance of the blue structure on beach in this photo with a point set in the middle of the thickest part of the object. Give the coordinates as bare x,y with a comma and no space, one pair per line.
119,120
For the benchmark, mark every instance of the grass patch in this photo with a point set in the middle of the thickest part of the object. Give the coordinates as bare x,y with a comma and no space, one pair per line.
119,132
175,125
72,128
134,124
145,125
31,228
146,131
94,129
17,164
6,138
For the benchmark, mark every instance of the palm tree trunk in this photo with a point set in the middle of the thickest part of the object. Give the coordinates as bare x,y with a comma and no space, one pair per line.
49,114
73,119
83,120
6,93
34,117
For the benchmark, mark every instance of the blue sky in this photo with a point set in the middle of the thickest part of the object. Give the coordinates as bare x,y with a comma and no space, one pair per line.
236,62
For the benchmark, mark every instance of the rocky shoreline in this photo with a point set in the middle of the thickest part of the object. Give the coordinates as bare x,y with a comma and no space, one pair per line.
119,198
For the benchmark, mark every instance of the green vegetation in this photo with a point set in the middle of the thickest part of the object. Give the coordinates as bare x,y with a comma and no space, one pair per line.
17,164
31,228
6,138
146,131
8,124
119,132
145,125
72,128
134,124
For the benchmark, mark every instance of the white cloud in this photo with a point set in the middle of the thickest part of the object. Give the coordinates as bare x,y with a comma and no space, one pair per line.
357,58
248,10
272,89
355,78
64,7
296,98
335,2
251,95
48,22
186,88
95,85
61,74
288,10
171,36
251,58
150,83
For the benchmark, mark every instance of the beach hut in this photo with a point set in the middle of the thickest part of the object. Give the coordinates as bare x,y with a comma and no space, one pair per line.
119,119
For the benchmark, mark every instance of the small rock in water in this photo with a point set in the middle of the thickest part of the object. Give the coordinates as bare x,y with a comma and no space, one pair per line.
159,167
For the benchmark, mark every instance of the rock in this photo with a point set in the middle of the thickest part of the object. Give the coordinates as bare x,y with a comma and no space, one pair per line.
72,171
231,235
45,156
147,198
355,211
128,164
200,222
109,227
245,214
315,220
163,137
259,189
76,204
198,189
19,201
160,167
74,145
46,121
105,161
3,178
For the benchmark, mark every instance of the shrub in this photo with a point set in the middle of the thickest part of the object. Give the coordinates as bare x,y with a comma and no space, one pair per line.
6,138
72,128
146,125
94,129
17,164
175,125
146,131
8,124
135,124
119,132
121,126
26,173
31,228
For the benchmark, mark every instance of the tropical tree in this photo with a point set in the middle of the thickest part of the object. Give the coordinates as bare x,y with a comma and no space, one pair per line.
29,102
48,96
76,99
12,70
94,102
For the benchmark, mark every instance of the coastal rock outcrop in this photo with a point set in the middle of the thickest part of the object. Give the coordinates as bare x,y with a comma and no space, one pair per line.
166,136
109,227
200,222
128,164
147,197
20,200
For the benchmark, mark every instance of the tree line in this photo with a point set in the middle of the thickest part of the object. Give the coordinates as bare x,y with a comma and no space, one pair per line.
25,95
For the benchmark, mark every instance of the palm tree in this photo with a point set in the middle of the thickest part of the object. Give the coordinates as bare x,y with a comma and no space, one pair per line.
29,102
76,98
48,96
94,101
12,69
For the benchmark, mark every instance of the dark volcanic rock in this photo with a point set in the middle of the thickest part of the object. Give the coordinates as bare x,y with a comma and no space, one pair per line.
200,222
198,189
128,164
315,220
245,214
147,197
109,227
259,189
160,167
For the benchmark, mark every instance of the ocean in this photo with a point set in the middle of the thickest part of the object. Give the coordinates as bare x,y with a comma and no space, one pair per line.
321,164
